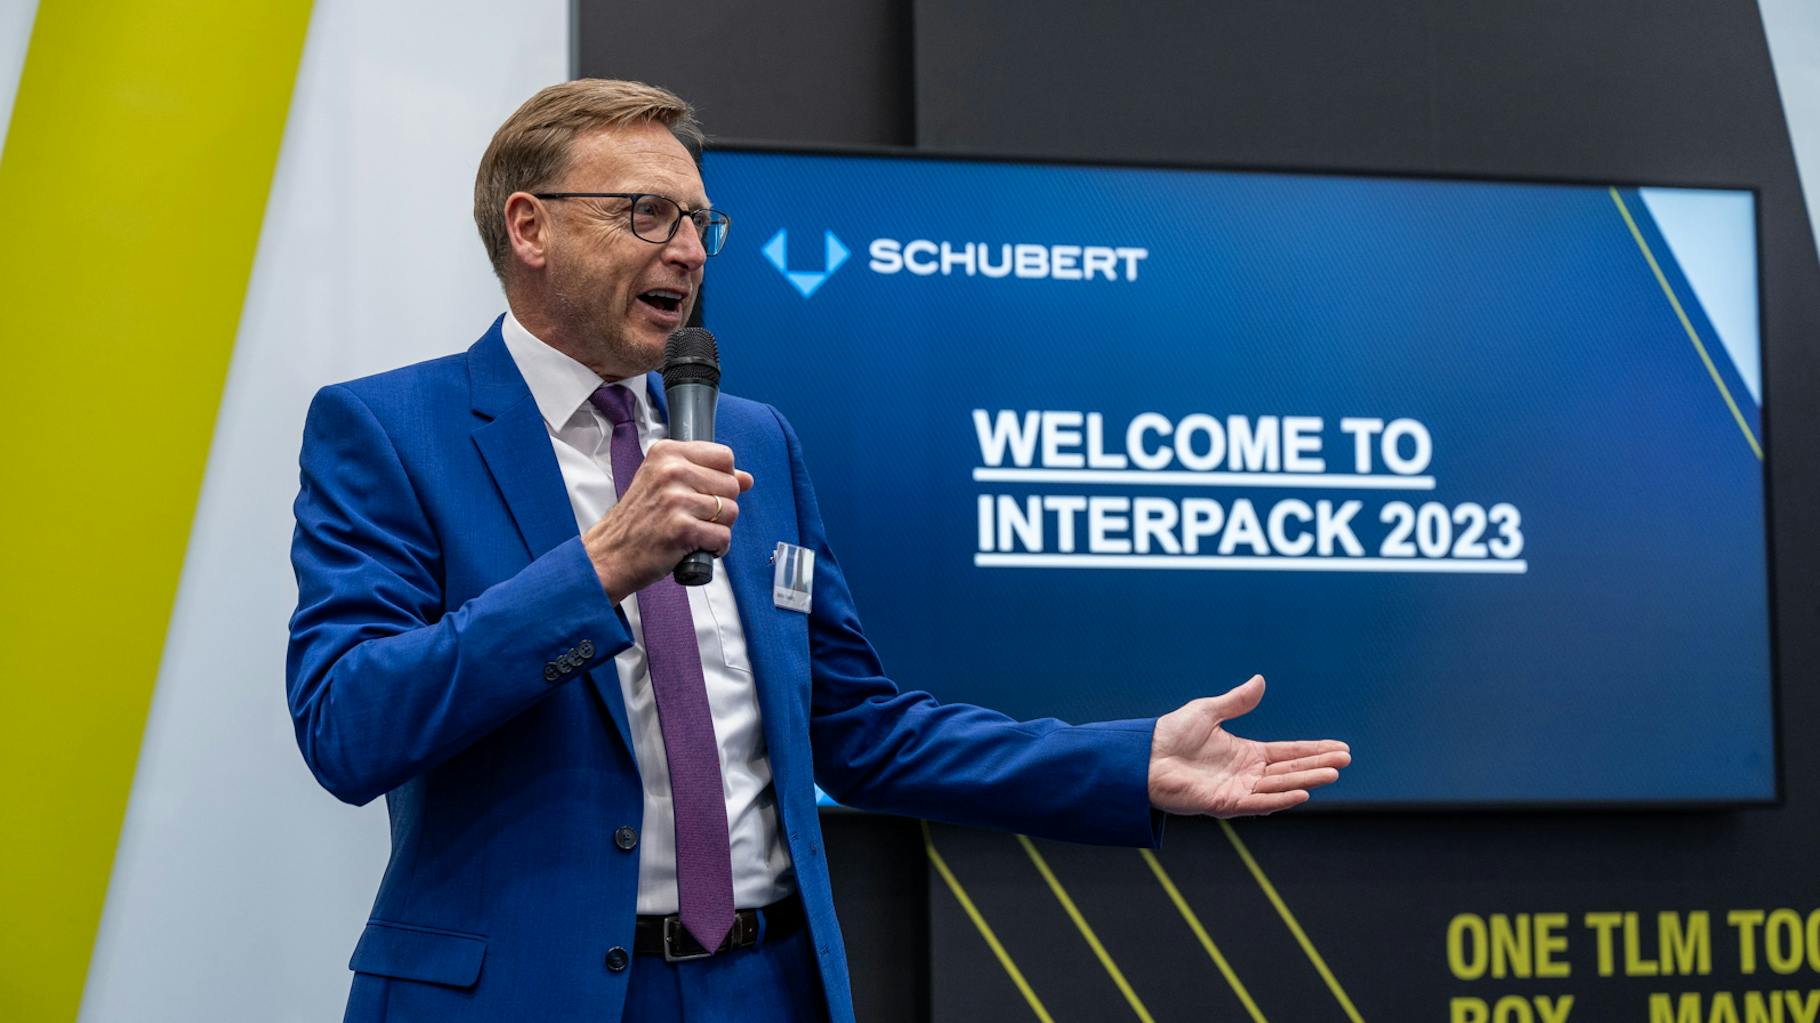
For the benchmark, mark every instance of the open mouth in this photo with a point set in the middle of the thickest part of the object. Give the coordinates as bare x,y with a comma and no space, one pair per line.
663,299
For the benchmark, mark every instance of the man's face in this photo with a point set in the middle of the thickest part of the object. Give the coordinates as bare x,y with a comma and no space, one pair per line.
617,296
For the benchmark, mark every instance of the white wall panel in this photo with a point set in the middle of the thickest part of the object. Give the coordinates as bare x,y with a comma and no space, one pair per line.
16,17
1793,30
240,886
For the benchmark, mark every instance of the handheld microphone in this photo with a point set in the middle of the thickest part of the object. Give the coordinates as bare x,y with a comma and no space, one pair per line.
691,388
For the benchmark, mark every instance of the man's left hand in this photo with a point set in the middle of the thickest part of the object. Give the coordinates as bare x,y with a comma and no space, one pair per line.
1197,767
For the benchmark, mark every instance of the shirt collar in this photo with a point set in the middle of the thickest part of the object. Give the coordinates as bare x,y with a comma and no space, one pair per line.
559,384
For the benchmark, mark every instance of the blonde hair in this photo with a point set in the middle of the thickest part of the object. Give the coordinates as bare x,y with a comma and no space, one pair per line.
531,149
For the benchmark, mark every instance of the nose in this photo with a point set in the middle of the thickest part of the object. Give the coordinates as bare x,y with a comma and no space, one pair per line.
685,248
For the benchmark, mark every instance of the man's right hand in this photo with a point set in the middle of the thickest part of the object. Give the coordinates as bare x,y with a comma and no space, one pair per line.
664,515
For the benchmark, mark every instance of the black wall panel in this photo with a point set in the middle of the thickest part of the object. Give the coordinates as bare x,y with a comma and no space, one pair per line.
1621,90
1280,82
807,71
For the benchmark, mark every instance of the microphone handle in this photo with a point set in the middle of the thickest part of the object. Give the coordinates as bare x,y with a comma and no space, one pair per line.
692,418
696,569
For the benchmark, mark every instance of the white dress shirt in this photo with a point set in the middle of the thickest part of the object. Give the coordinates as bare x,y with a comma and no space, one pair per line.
581,438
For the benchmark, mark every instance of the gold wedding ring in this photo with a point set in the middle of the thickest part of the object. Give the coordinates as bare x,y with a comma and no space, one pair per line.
717,507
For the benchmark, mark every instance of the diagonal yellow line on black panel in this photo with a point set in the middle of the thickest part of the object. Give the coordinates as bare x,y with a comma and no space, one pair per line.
985,929
1282,908
1200,932
1688,326
1080,922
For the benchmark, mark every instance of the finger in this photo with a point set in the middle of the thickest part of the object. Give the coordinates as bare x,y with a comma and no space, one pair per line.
703,480
1297,748
708,536
1269,802
745,480
1299,780
719,510
718,457
666,468
1336,759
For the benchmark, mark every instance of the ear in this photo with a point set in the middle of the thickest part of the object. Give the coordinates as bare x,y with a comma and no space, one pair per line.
527,229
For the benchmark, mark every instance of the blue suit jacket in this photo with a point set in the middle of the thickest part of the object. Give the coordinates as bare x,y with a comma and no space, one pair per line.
439,572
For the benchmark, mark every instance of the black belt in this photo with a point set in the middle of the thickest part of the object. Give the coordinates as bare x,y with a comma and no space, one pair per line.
665,935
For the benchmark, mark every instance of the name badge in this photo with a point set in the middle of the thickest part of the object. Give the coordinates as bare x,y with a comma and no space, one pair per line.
792,577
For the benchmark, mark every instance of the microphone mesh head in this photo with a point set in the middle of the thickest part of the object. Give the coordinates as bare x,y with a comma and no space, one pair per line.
691,357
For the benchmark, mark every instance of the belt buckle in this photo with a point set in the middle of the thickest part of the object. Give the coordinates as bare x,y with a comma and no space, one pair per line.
672,928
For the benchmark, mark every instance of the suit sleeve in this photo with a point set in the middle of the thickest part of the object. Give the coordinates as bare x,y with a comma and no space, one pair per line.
879,748
382,685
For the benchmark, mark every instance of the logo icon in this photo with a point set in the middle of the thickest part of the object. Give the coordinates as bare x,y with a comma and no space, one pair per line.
833,255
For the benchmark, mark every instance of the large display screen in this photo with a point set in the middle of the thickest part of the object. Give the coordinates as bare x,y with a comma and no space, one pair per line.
1472,472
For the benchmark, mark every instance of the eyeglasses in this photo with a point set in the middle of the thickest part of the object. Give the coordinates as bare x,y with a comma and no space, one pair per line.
655,218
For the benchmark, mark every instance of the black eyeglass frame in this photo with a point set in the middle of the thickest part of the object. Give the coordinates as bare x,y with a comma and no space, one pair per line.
632,198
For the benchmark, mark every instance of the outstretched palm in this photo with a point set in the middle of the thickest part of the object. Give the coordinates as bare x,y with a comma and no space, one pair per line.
1197,767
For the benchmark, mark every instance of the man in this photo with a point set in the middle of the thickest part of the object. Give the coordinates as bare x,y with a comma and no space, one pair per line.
601,784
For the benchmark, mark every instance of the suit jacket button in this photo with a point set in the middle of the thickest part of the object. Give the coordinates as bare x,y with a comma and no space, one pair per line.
625,838
586,649
616,959
550,672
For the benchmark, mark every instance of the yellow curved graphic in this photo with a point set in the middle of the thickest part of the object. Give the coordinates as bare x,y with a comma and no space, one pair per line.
140,152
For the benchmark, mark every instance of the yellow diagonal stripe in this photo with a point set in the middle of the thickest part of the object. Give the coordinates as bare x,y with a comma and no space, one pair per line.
1200,933
1687,325
1080,923
1282,908
985,929
137,164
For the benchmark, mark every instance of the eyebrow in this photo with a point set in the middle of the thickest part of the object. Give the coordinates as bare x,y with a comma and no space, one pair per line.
625,197
665,195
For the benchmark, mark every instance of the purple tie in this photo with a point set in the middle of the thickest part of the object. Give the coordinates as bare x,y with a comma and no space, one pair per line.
704,863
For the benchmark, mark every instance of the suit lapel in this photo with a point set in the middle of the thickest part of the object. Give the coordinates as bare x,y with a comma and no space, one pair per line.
516,448
515,445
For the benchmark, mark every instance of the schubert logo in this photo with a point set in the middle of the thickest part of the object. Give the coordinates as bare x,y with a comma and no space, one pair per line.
833,255
924,258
